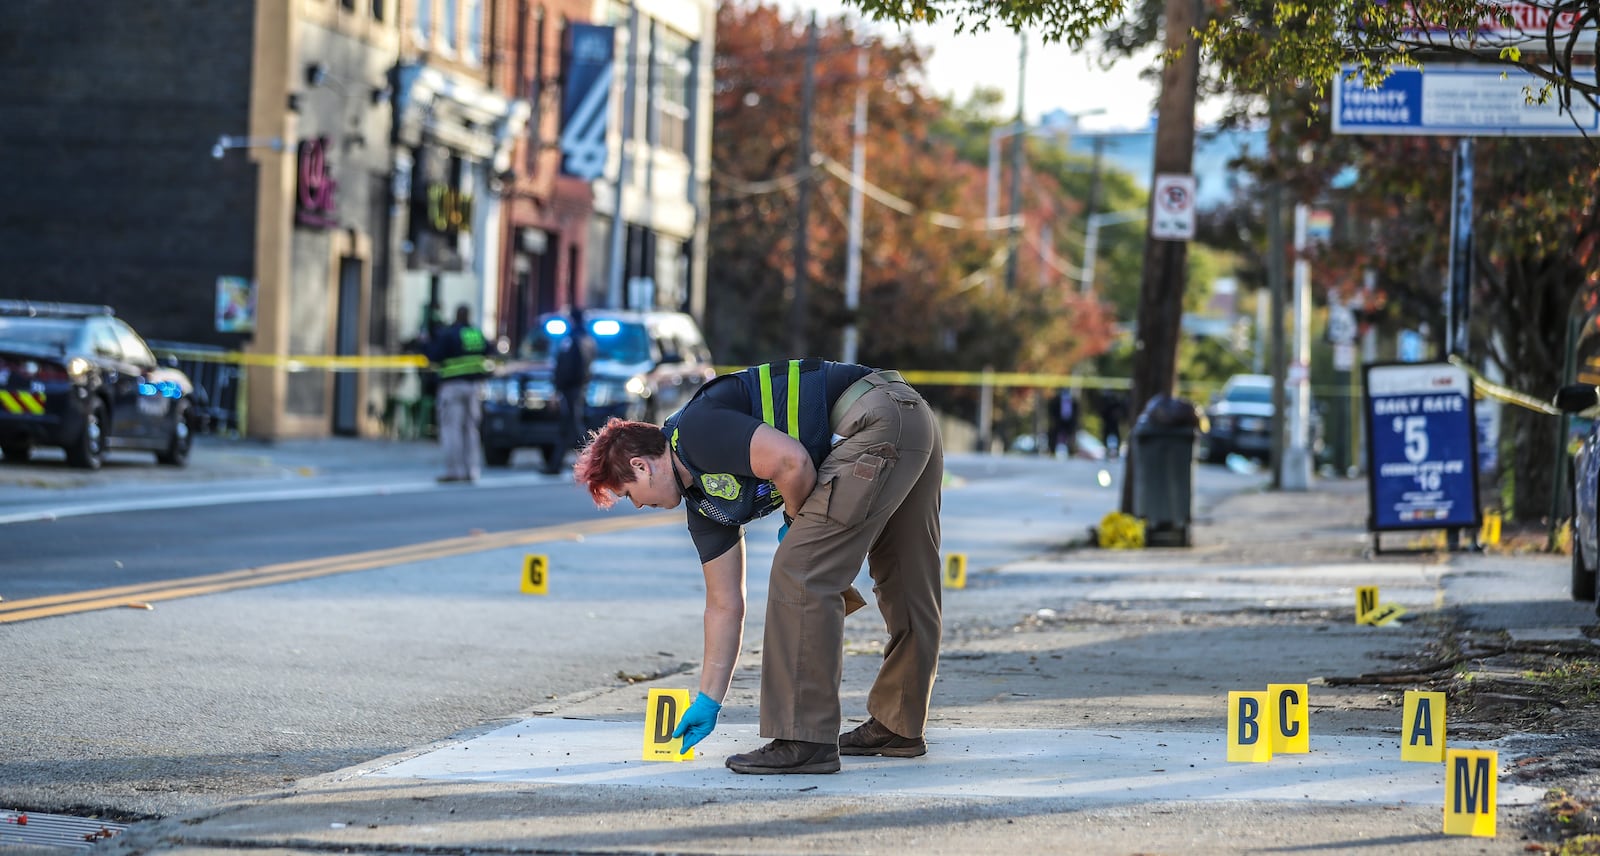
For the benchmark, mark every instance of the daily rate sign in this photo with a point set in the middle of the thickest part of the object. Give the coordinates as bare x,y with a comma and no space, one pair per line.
1422,447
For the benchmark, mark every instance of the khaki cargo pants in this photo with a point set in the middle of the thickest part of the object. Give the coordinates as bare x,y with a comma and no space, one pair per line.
877,498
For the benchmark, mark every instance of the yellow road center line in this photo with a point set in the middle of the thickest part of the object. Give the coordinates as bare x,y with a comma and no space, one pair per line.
109,598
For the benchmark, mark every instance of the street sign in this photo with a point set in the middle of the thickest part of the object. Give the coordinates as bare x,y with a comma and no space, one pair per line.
1422,447
1409,345
1172,207
1342,326
1469,100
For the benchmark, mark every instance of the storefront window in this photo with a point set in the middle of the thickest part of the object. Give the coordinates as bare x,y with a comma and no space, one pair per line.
424,20
473,49
670,103
451,25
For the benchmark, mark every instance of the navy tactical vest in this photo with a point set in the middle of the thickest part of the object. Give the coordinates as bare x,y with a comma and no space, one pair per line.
791,397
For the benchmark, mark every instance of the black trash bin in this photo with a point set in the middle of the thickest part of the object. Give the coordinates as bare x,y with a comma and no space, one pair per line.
1163,483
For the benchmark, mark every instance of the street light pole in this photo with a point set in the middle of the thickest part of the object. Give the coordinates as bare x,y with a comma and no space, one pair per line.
858,166
1091,240
1014,234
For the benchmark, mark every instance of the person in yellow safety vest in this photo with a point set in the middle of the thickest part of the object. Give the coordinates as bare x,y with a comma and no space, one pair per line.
459,357
853,459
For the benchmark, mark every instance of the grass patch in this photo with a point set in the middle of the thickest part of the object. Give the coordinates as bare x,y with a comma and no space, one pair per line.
1571,681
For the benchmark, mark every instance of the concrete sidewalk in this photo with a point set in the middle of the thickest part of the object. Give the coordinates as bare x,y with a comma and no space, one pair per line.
1080,709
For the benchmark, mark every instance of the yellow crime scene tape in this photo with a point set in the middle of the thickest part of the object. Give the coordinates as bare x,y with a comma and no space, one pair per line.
1003,380
304,362
1490,389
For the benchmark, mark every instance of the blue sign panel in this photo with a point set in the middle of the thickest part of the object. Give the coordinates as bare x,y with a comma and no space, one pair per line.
1466,100
1396,103
1422,447
586,100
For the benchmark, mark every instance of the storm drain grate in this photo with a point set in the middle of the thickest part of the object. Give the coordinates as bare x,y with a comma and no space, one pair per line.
53,830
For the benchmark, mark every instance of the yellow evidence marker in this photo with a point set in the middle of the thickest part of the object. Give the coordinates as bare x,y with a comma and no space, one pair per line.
536,574
1250,727
1469,791
955,571
1385,613
1422,731
1291,718
1366,602
663,709
1489,533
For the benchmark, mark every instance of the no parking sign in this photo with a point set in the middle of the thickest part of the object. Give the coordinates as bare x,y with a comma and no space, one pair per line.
1172,207
1422,447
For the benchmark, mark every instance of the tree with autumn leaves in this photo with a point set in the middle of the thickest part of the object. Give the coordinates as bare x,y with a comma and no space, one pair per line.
1536,251
933,292
1536,223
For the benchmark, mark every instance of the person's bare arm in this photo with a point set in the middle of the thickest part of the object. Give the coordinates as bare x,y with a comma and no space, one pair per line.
780,459
724,621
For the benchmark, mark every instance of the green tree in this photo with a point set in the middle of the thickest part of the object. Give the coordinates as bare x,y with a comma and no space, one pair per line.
930,293
1262,44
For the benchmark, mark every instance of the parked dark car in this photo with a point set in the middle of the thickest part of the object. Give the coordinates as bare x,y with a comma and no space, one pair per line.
647,365
1239,421
1582,400
76,376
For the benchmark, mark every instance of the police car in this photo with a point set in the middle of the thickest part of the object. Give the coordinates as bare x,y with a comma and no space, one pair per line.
75,376
646,365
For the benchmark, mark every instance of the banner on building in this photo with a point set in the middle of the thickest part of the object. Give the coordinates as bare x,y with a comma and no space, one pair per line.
441,212
586,99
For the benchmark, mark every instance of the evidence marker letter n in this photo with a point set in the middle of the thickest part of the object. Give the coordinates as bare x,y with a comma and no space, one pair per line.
662,710
1291,718
1250,726
1469,792
1422,727
1366,602
536,574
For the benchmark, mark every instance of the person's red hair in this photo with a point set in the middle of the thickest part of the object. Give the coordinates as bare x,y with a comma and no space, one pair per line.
602,465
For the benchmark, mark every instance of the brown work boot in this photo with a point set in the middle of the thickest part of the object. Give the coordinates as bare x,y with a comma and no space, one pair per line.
787,756
874,738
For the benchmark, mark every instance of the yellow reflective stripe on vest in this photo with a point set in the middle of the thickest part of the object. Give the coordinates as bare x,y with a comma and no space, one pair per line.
764,371
794,399
769,410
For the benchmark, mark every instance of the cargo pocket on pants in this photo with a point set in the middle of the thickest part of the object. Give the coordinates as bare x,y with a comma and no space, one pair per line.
857,485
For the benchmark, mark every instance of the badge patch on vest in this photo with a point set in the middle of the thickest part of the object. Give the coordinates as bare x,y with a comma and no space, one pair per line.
720,485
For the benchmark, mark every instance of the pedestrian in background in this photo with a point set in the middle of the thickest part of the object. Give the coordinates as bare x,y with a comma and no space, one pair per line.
1113,409
853,459
459,355
1066,423
574,358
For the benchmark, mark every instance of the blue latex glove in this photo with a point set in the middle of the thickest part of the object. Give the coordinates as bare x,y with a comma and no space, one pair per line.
697,722
782,531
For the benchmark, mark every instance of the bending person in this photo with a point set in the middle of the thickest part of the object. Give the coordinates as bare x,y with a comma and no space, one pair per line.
853,459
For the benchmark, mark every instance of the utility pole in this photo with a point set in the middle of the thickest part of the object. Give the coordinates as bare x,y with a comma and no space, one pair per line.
1155,356
1014,235
1458,295
858,166
1093,202
1277,288
799,346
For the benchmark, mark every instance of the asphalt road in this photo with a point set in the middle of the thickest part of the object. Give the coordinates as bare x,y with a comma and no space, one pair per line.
201,699
138,546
